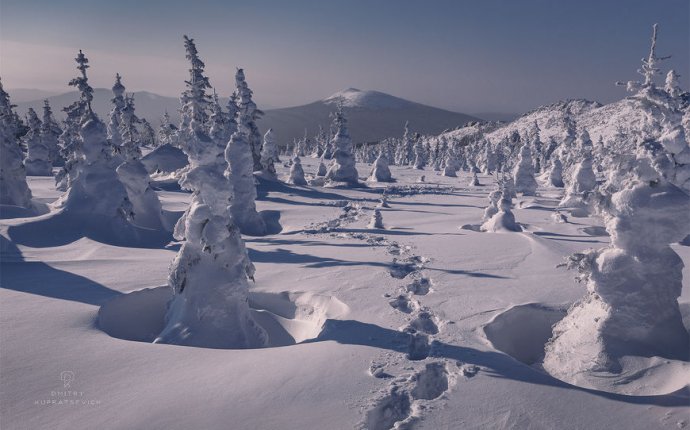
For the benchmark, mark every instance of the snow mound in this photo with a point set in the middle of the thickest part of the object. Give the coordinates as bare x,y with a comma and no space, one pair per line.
287,317
166,158
522,331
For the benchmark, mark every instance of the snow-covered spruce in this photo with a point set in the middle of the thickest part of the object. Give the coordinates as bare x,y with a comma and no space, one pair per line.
118,101
450,166
419,155
146,207
376,221
296,172
248,116
94,173
523,174
37,160
503,220
631,307
555,178
13,188
269,154
474,180
322,170
492,209
243,208
380,172
50,132
209,274
633,285
581,184
343,169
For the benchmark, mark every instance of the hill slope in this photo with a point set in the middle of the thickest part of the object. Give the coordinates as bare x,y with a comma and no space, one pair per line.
372,116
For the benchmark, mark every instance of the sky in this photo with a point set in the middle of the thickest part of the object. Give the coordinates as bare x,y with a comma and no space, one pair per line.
469,56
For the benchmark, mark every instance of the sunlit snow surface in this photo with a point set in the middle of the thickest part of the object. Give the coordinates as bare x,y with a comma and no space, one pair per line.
421,324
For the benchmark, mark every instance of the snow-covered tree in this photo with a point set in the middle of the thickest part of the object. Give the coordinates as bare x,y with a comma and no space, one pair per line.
322,170
343,170
631,307
556,173
419,155
649,68
146,207
13,187
672,87
269,154
209,274
167,131
70,147
147,134
376,221
523,175
37,161
50,132
296,172
474,180
94,188
380,172
195,100
503,220
240,170
407,149
119,103
249,114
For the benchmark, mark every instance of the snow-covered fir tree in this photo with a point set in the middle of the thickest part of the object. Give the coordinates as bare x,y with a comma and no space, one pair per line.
239,155
14,190
376,221
167,131
343,169
419,155
269,154
296,172
37,161
118,101
208,276
523,175
91,165
631,307
249,114
146,207
50,132
555,178
147,134
195,100
380,172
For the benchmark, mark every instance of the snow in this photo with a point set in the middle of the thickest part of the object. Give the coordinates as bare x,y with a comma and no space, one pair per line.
450,335
354,98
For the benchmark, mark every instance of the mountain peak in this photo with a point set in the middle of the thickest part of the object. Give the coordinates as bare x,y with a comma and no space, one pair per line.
356,98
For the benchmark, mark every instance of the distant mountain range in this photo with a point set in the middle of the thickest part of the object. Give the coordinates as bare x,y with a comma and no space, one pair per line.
147,105
372,115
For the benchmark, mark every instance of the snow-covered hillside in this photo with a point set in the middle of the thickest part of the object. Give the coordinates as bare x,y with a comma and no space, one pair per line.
373,116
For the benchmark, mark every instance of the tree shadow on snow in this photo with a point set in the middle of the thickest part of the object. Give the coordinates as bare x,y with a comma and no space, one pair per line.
495,364
62,228
34,277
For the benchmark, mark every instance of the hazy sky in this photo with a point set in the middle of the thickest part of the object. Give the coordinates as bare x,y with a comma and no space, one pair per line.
469,56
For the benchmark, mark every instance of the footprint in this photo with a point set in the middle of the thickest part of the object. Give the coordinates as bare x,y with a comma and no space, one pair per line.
377,370
418,346
400,270
419,287
404,304
424,322
394,407
431,382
